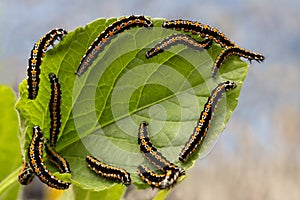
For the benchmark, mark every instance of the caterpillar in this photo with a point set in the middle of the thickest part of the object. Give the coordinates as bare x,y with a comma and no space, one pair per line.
35,60
26,174
151,153
105,37
56,159
108,171
235,50
161,181
204,30
35,154
54,108
204,121
176,39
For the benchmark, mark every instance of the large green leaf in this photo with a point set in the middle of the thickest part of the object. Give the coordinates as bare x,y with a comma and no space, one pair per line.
102,109
10,157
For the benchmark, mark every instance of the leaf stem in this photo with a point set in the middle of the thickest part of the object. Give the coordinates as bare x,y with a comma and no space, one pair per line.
9,181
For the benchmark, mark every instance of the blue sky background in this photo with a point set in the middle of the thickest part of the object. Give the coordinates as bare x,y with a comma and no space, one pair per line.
265,121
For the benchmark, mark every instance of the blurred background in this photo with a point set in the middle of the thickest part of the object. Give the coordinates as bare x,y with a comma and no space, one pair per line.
257,156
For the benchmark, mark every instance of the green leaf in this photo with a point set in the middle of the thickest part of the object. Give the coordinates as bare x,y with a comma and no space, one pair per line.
102,109
161,195
9,144
114,193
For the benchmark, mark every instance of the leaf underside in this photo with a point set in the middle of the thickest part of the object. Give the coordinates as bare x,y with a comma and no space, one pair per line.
101,110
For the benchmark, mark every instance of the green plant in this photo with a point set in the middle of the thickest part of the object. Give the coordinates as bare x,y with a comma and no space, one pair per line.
102,109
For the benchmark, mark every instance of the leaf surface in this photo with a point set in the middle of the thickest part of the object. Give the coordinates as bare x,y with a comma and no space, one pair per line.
10,158
101,110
